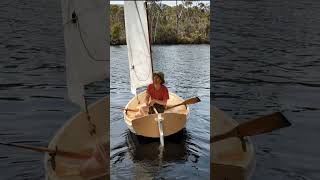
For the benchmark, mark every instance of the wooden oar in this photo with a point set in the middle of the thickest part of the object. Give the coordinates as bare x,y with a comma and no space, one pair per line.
186,102
127,109
254,127
66,154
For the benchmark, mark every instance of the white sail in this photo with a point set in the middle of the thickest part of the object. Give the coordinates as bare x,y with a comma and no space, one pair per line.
137,35
86,44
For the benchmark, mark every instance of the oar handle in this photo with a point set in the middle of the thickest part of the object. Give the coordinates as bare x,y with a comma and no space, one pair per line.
72,155
174,106
67,154
133,110
229,134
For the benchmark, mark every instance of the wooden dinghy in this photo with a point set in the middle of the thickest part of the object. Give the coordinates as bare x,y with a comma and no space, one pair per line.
74,137
174,119
228,158
141,74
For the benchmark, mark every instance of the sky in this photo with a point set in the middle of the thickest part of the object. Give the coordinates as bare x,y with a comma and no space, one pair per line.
170,3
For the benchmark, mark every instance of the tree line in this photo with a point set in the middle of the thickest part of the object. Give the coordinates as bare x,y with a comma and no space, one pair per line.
185,23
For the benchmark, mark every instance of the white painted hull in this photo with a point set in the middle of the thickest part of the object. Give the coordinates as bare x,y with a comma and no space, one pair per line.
74,136
174,119
228,160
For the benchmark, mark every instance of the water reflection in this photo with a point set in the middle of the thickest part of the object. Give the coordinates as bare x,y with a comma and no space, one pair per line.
149,157
142,148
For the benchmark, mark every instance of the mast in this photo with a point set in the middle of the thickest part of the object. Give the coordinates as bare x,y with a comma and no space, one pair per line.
159,116
149,33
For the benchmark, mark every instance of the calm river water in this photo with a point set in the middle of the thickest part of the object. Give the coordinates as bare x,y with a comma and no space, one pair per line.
186,155
33,93
266,57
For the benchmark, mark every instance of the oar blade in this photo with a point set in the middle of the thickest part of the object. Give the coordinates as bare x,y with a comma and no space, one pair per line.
263,125
186,102
192,101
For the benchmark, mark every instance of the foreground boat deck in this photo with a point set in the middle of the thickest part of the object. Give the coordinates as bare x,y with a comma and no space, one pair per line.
228,159
173,100
74,136
173,119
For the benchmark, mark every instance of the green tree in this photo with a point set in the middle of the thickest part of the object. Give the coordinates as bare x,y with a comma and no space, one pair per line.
181,24
116,31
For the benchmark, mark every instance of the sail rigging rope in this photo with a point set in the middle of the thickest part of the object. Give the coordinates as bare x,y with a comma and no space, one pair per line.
85,46
92,126
75,20
100,147
133,68
144,33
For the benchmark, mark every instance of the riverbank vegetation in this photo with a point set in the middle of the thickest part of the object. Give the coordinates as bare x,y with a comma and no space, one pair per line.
185,23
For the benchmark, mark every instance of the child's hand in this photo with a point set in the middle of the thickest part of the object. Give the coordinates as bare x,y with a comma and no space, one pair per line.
152,102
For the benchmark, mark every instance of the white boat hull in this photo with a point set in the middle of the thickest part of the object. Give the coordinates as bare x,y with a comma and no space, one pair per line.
228,159
174,119
74,136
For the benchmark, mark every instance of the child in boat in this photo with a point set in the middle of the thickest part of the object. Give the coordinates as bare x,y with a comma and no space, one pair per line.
157,96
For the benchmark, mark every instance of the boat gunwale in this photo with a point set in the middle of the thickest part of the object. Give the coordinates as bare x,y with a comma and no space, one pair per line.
56,136
129,122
